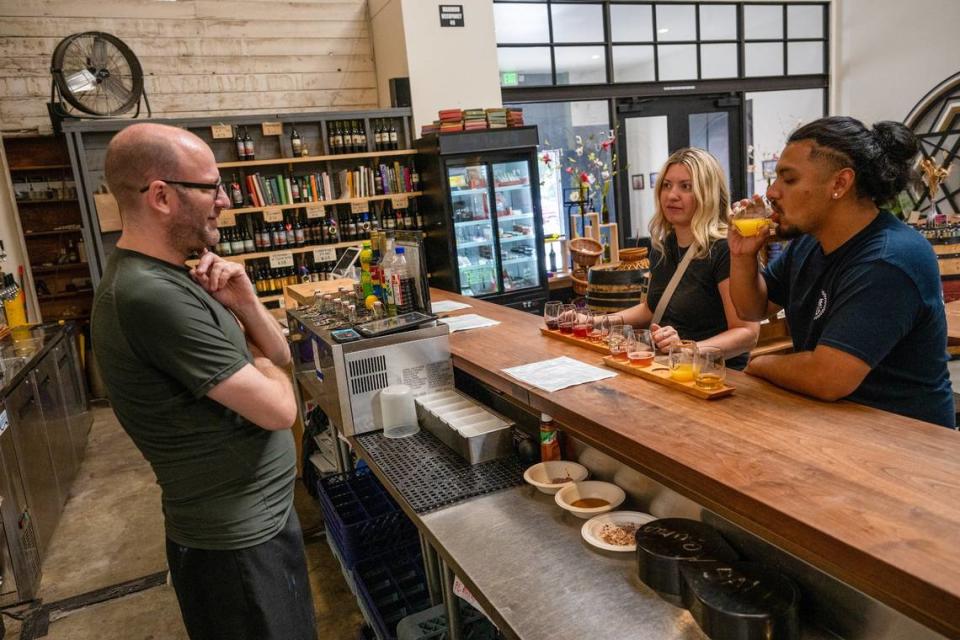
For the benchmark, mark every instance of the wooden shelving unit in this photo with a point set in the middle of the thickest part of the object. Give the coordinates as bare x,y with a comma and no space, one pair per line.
243,257
325,203
238,164
41,172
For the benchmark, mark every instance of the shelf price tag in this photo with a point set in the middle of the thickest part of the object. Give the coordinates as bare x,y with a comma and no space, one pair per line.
227,218
281,260
316,212
359,207
272,128
324,254
399,202
220,131
273,214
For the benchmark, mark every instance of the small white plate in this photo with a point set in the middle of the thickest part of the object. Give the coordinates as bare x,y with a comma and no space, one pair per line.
591,528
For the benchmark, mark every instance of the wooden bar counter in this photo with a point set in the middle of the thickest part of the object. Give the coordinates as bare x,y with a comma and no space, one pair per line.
866,496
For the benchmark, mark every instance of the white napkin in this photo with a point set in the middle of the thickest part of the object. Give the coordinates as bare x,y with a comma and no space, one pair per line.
445,306
558,373
468,321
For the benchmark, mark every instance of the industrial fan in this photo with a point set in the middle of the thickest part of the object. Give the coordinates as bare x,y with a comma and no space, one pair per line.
97,75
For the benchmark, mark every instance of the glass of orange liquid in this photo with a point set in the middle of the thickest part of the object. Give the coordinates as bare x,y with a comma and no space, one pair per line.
753,218
683,361
641,350
618,341
710,367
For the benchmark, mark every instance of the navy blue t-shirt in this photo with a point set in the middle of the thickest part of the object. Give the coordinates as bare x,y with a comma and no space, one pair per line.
878,298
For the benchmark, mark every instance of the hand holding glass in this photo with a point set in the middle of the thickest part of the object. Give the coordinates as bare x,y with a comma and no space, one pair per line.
754,216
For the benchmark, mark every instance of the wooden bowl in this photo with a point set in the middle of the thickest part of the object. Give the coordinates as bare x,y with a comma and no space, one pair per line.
633,255
579,286
585,251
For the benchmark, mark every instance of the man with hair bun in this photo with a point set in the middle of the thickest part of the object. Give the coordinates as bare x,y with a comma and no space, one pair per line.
860,288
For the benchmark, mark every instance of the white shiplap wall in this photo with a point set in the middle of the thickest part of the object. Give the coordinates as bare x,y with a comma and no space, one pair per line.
200,57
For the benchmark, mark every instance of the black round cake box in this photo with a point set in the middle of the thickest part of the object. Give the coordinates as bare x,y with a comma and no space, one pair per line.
741,601
665,545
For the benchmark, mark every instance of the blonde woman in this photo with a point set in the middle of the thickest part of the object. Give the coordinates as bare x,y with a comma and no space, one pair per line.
692,209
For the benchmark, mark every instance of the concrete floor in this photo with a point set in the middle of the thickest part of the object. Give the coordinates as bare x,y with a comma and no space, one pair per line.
112,531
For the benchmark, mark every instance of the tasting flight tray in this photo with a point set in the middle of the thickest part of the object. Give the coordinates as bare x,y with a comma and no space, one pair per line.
660,374
571,339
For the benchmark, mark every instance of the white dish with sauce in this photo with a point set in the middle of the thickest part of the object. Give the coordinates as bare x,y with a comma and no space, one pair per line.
544,475
592,529
590,498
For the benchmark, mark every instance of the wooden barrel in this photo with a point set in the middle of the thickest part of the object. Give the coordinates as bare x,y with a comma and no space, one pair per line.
611,289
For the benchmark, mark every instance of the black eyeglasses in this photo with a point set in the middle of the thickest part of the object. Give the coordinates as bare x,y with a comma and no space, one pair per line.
192,185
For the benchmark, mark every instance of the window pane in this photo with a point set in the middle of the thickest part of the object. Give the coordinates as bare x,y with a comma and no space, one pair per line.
775,115
711,131
804,22
678,61
521,23
577,23
762,22
580,65
718,22
763,59
804,57
532,64
718,61
676,22
558,124
633,64
631,23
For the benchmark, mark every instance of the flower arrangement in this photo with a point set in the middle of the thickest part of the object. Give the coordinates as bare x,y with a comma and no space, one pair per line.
592,168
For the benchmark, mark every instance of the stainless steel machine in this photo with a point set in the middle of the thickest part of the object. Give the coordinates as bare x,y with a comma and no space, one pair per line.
345,379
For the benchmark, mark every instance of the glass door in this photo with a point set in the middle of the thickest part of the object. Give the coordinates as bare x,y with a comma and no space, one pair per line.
477,260
651,129
516,225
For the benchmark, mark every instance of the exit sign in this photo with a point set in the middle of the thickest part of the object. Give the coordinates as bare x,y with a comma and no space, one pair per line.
509,78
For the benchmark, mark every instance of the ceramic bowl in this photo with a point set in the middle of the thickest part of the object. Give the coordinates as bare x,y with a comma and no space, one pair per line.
541,475
607,491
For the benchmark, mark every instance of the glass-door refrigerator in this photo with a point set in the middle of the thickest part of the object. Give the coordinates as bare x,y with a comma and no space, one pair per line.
484,232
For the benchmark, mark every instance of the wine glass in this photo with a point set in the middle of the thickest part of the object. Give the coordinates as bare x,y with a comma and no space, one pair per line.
595,334
551,315
618,339
583,324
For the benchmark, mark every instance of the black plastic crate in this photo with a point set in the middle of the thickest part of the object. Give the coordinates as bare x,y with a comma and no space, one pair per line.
361,517
432,625
392,587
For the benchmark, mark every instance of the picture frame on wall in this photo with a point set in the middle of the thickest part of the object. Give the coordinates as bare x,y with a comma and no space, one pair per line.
636,181
653,179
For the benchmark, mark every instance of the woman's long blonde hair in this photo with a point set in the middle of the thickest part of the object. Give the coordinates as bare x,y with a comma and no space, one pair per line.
709,222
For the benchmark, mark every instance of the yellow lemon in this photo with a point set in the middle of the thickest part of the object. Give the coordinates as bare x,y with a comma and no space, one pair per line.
370,300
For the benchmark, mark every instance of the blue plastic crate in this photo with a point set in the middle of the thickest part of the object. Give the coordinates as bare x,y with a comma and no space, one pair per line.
361,518
392,587
432,625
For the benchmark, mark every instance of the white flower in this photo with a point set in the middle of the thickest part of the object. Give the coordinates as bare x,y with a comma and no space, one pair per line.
605,175
579,150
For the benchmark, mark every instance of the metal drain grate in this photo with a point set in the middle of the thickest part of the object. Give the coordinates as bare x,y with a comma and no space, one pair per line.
429,475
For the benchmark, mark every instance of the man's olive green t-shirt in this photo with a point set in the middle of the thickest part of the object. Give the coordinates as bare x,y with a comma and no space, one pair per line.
161,343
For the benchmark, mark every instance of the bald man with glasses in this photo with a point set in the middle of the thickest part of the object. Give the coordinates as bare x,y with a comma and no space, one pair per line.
195,370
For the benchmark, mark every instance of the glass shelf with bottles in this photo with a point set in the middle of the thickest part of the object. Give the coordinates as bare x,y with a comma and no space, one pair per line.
330,140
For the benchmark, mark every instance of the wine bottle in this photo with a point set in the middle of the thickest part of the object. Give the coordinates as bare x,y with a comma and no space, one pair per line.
332,144
248,145
378,136
394,139
249,246
236,193
296,143
362,137
236,242
294,188
338,138
241,146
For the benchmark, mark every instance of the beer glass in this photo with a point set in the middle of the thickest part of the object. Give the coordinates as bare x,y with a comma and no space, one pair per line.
551,315
753,217
583,324
710,369
567,318
683,361
642,349
618,339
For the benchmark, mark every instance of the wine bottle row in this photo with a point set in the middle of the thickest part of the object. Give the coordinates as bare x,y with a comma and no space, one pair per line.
253,234
343,136
268,281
